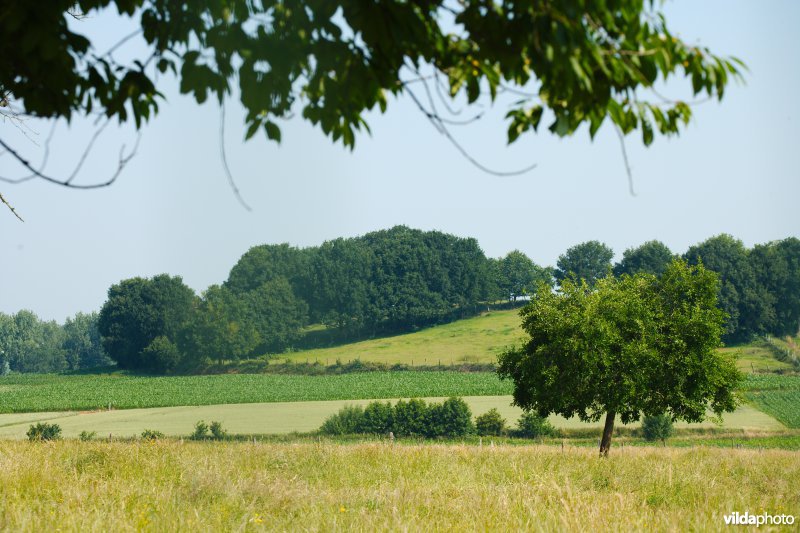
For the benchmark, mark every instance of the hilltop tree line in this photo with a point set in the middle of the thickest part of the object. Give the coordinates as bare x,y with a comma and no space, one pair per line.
388,281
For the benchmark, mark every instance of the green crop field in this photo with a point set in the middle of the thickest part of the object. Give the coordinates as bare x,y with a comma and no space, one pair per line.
172,486
473,340
52,392
289,417
784,405
31,393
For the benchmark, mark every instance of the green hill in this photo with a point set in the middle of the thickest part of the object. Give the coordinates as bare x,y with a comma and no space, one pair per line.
472,340
480,340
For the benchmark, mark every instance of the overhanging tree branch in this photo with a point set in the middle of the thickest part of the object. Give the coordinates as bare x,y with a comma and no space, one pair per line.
35,173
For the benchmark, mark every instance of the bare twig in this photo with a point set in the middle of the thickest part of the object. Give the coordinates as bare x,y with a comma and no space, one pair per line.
2,199
435,111
436,121
625,159
122,162
231,182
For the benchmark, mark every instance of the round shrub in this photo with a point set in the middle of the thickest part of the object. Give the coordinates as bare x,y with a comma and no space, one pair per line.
490,423
349,419
657,428
452,418
410,418
200,431
151,434
377,418
44,431
217,432
161,355
530,425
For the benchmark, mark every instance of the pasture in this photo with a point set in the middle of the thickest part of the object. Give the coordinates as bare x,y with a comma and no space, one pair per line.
171,486
472,340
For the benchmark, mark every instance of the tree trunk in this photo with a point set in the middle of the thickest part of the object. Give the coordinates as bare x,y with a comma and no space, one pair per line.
605,443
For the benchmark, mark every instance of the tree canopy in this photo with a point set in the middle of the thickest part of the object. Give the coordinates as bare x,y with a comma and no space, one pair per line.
652,257
749,304
635,345
580,62
587,261
142,312
519,276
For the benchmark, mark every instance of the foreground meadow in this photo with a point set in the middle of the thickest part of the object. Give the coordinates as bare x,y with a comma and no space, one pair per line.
167,486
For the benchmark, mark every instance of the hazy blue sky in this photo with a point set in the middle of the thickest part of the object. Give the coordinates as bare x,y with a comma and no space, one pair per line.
734,170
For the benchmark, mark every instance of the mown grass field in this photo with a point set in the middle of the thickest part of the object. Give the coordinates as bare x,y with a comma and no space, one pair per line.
171,486
289,417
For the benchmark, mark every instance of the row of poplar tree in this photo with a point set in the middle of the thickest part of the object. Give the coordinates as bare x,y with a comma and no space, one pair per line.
388,281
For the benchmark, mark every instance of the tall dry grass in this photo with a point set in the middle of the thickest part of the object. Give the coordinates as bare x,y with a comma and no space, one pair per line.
171,486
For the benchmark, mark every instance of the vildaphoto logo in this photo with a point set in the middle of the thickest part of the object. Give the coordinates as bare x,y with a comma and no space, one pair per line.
763,519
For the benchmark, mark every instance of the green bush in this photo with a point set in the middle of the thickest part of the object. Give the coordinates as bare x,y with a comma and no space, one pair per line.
161,355
530,425
44,431
216,431
657,428
490,423
410,418
452,418
349,419
151,434
87,435
377,418
200,431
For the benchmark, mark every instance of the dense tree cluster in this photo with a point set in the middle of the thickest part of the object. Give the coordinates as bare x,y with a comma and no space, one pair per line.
759,288
392,280
29,344
388,281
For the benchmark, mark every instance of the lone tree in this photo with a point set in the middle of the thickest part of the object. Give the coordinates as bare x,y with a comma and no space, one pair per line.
575,62
636,345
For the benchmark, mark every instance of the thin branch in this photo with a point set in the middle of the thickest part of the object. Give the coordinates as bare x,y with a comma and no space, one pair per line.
435,111
122,162
625,159
2,199
508,89
438,84
437,123
37,173
119,43
231,182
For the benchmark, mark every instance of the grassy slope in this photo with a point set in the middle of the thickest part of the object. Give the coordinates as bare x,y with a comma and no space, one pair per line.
478,339
169,486
288,417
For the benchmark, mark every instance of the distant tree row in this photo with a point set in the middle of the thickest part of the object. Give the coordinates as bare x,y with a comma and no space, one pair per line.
759,288
388,281
28,344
